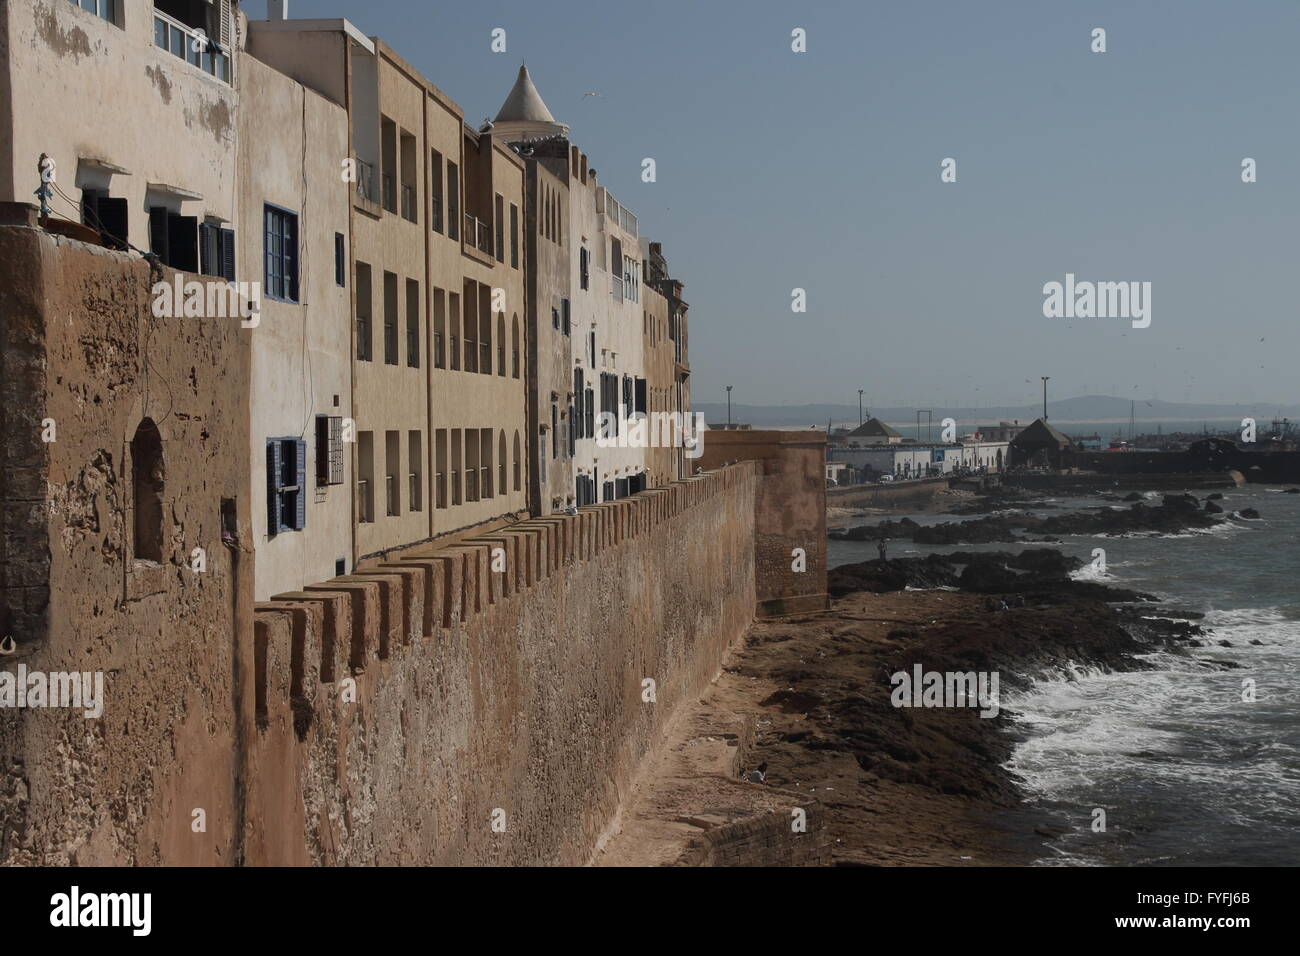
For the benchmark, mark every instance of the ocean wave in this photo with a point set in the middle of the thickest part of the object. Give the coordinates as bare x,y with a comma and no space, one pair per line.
1091,572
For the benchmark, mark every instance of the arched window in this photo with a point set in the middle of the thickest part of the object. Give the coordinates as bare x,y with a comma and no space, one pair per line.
147,477
518,483
501,462
501,344
515,346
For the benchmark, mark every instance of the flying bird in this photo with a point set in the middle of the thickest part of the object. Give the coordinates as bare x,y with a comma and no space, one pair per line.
585,95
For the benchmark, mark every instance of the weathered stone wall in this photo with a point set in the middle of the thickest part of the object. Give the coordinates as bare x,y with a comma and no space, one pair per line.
789,512
889,495
477,690
81,348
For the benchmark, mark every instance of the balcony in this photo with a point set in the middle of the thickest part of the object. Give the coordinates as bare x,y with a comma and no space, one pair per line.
617,214
190,44
478,234
616,287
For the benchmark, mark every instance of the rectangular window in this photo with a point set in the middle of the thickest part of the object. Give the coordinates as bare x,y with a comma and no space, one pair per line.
555,317
410,200
471,464
453,201
365,477
439,328
217,251
485,462
286,480
453,318
393,472
499,227
564,316
455,466
555,431
106,216
101,8
584,267
412,323
415,464
340,261
365,337
329,450
571,430
390,318
281,243
579,422
514,236
174,239
440,468
388,163
435,192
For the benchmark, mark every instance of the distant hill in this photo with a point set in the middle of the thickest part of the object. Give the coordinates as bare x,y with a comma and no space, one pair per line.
1088,408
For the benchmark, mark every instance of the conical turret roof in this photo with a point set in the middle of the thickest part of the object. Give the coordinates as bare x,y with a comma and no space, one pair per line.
524,116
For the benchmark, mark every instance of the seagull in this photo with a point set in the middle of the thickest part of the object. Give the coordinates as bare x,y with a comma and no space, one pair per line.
585,95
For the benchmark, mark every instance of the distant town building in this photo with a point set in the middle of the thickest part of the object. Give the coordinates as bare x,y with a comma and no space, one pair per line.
1039,446
873,432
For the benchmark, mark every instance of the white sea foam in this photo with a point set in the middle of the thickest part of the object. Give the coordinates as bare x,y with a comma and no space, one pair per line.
1178,732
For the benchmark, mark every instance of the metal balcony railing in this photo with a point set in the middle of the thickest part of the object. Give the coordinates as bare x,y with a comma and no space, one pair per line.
478,234
413,491
190,44
435,214
408,202
390,199
390,484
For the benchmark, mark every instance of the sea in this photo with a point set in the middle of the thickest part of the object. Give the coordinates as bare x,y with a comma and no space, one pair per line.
1184,764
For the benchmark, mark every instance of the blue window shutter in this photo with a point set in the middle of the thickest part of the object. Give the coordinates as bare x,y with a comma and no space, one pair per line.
301,454
272,487
227,242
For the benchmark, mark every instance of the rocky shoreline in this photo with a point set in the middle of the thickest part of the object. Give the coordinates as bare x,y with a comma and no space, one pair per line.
928,785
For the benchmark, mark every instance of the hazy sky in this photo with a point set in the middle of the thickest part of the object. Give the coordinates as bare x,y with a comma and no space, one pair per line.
820,170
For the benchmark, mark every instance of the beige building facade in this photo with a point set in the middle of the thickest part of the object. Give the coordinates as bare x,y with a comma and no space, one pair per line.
146,165
436,263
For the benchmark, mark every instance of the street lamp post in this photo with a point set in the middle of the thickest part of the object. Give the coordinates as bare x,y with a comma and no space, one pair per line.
728,406
1045,378
859,406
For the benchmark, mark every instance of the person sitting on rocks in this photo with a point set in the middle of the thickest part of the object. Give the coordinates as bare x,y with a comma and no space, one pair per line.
882,549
